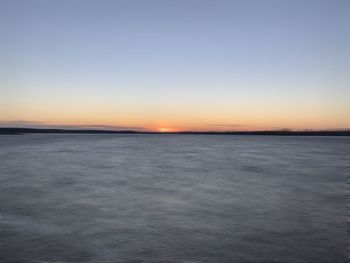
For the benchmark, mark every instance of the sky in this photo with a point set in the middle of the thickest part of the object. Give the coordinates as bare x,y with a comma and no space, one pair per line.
175,65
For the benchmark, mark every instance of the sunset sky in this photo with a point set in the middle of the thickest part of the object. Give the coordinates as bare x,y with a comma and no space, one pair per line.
175,65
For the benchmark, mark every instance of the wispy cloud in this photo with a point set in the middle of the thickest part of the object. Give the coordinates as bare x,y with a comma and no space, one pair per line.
45,125
238,126
21,122
109,127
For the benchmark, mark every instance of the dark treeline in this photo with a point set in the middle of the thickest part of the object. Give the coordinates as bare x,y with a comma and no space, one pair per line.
267,132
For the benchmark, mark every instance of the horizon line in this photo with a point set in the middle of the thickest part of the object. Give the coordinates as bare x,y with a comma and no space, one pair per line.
21,130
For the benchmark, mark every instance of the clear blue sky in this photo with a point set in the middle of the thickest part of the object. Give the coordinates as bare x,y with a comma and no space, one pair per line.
176,64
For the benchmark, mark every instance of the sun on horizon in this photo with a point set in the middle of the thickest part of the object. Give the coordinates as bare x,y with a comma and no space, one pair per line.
166,129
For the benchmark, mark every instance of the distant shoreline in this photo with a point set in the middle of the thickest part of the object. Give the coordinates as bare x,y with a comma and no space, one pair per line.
19,131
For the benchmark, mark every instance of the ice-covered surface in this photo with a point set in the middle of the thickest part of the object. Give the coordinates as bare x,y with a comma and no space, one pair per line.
173,198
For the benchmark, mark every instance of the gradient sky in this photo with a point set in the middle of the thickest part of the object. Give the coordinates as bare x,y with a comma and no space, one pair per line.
194,65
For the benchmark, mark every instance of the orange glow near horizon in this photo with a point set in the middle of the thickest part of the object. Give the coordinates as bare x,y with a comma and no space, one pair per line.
258,115
174,119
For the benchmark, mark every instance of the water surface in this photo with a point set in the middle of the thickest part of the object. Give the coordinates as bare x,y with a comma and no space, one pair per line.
173,198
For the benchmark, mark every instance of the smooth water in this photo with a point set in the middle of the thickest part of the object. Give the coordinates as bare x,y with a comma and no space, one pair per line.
173,198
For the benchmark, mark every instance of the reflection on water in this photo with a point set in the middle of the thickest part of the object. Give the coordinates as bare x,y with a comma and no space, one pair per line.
173,198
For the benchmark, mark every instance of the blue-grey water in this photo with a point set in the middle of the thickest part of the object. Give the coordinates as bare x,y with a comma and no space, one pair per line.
173,198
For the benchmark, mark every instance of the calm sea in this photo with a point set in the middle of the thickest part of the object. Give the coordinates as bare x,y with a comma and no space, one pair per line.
173,198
